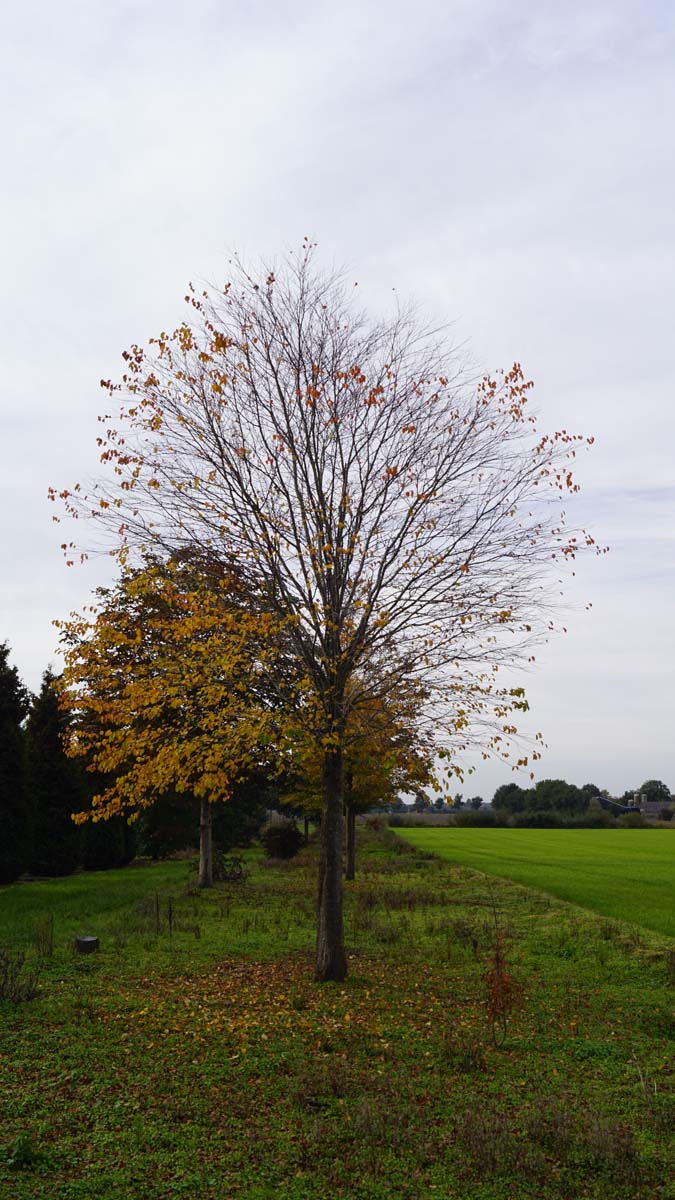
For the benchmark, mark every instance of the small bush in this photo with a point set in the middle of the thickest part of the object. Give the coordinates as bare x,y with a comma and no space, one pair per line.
317,1086
398,845
463,1052
543,818
366,899
487,1141
43,936
611,1146
281,839
550,1126
24,1155
502,993
387,932
229,868
417,820
633,821
463,933
662,1114
593,819
483,818
16,984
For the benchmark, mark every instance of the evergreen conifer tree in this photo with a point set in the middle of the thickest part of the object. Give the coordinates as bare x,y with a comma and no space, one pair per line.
14,808
107,844
54,786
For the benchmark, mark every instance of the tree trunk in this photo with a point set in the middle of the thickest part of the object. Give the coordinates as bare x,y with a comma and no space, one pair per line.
350,865
331,963
206,845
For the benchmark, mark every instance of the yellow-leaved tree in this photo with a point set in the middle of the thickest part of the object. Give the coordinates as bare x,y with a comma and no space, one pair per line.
388,750
165,684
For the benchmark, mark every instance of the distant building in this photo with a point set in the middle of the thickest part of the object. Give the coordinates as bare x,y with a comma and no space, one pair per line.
649,808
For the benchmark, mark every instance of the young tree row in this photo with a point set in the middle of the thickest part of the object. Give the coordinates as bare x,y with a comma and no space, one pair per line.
177,684
400,522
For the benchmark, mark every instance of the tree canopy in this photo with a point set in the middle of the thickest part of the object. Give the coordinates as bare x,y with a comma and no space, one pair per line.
655,790
547,795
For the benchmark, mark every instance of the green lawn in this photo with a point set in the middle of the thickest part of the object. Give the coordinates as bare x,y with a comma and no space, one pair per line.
624,873
197,1057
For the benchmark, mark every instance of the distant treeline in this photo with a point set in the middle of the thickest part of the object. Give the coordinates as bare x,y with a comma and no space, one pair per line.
551,803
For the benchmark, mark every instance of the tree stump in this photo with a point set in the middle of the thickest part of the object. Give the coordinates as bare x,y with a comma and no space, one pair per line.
86,945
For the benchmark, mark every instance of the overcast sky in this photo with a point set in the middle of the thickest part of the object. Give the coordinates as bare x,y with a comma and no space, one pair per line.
511,166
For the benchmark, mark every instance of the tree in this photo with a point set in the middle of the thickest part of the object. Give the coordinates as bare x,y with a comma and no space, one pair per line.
655,790
385,753
107,843
238,821
390,509
557,795
510,797
54,786
14,807
552,795
160,682
387,750
172,822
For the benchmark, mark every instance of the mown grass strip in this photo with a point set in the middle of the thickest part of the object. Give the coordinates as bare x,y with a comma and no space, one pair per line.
628,874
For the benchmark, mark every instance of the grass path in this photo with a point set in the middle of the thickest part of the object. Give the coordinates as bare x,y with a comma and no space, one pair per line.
628,874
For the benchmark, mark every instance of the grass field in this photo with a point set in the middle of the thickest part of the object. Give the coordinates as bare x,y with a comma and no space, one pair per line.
624,873
79,902
199,1058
